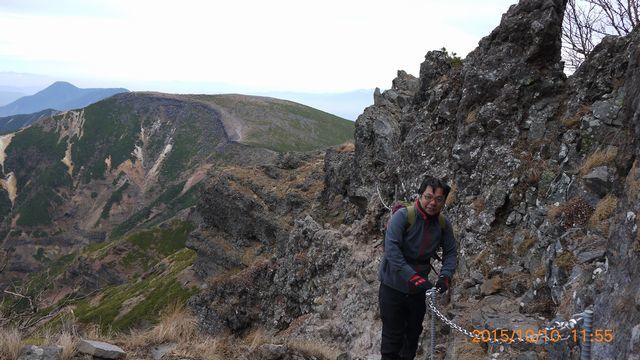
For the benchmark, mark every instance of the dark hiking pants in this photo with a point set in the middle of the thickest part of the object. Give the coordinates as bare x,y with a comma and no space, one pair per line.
402,316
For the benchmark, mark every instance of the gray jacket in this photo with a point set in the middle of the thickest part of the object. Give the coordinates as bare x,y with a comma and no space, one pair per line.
409,252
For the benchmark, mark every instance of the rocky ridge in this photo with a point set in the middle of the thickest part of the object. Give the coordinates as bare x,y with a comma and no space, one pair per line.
544,207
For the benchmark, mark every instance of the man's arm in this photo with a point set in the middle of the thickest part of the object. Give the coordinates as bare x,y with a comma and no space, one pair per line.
449,252
393,240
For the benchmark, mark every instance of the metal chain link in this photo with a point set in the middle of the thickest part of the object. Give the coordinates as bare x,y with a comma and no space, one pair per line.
560,326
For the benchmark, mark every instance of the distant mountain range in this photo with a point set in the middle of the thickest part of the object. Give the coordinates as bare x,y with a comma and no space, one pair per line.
16,122
59,96
7,96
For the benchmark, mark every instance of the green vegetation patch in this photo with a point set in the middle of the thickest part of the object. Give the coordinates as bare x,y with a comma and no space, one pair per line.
40,256
283,125
153,294
60,265
165,241
194,138
136,257
115,198
5,205
35,210
111,128
302,128
170,197
34,156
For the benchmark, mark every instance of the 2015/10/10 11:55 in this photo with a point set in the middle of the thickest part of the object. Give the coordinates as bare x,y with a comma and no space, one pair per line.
597,335
540,336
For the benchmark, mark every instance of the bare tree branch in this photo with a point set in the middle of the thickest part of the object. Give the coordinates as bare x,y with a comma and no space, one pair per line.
31,305
587,22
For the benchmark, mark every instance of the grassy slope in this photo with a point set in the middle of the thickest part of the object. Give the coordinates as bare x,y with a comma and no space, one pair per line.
152,263
282,125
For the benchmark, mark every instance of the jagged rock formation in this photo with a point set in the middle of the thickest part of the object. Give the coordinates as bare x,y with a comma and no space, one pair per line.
544,207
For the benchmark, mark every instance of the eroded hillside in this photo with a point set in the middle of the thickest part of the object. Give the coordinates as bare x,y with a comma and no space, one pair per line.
132,161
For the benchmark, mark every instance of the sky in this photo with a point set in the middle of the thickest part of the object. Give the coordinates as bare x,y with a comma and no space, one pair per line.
328,46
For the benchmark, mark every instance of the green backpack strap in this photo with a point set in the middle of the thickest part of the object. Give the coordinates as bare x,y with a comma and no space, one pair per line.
443,222
411,219
411,216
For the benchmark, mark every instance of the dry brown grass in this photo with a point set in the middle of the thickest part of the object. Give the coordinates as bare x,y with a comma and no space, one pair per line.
346,147
604,210
203,347
598,158
471,117
451,198
478,204
526,244
256,338
574,213
480,262
533,174
577,212
573,121
566,260
177,325
539,272
95,332
10,344
633,182
69,343
553,213
313,348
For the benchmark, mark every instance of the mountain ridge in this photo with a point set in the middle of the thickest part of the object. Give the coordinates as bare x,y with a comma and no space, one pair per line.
59,96
132,160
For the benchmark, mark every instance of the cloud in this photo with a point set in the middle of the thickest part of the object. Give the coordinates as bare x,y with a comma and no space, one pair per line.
281,44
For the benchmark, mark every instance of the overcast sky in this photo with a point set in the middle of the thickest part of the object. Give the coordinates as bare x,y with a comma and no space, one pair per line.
275,45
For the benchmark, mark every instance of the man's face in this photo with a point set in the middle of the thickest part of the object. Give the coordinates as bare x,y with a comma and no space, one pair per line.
432,200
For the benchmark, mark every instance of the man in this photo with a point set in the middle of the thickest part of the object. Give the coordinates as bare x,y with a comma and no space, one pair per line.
405,267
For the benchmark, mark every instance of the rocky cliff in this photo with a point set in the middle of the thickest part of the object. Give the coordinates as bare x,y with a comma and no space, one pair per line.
544,207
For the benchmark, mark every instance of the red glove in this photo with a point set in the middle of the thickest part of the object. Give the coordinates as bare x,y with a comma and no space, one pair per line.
418,281
443,284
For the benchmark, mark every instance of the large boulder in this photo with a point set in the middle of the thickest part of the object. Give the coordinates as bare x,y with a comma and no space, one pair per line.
32,352
100,349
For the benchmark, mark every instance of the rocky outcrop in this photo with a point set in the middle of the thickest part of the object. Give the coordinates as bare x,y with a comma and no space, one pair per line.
32,352
544,172
252,210
544,203
100,350
276,291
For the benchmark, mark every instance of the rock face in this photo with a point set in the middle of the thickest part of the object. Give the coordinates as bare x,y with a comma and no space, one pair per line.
32,352
545,202
544,167
101,349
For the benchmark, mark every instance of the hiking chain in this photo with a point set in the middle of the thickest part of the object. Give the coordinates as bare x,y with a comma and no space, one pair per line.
564,327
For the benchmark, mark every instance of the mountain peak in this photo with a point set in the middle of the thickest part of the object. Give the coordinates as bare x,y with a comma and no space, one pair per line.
61,85
60,95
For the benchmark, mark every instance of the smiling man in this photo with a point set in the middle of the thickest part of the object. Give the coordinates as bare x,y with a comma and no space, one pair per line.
409,245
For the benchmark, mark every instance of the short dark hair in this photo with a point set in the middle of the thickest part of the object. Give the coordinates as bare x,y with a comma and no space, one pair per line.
434,183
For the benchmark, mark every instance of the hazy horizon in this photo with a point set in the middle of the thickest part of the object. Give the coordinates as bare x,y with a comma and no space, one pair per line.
246,46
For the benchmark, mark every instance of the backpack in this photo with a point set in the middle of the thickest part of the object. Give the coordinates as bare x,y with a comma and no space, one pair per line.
411,219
